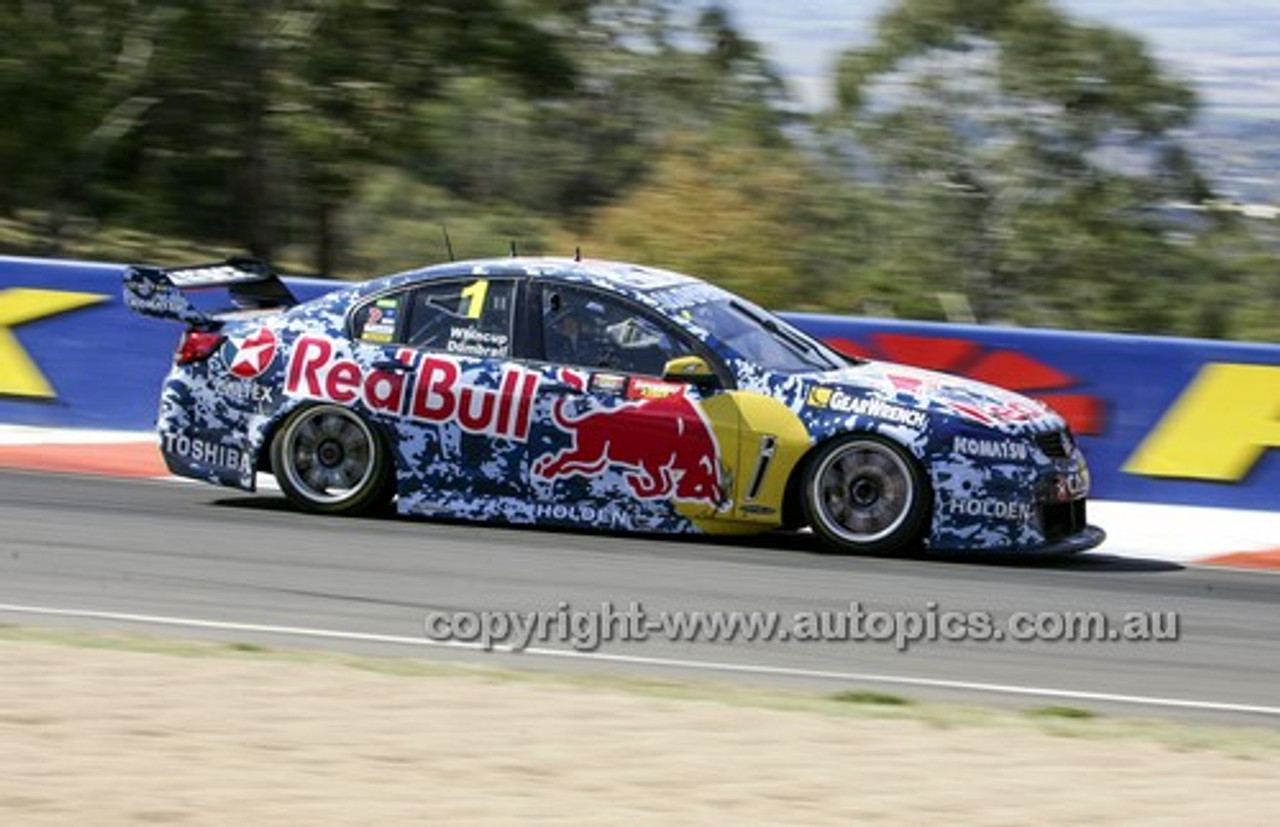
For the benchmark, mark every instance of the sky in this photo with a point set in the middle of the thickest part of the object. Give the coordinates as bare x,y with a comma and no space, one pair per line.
1229,50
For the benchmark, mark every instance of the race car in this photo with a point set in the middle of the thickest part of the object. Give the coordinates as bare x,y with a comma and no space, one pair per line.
601,395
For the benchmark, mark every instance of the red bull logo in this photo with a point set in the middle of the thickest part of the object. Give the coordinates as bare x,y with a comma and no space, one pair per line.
432,389
657,438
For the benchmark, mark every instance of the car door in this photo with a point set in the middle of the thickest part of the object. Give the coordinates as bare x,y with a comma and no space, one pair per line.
613,444
438,367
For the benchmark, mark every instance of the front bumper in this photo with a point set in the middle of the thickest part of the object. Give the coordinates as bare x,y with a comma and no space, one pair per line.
1091,536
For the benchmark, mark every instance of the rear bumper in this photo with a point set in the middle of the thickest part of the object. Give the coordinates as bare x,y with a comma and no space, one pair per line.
196,459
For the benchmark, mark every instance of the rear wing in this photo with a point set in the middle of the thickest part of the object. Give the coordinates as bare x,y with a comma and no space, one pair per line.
251,285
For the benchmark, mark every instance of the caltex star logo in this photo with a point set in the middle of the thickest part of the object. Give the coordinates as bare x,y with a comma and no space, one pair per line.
252,355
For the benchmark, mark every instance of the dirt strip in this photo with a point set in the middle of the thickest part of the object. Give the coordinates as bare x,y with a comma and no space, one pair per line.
211,735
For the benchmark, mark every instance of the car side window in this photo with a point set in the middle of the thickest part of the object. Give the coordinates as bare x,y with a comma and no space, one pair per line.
379,320
584,328
470,317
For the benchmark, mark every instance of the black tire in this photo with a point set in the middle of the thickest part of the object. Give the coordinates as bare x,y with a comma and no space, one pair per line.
327,459
865,494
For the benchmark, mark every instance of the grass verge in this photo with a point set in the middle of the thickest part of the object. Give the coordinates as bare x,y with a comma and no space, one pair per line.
857,702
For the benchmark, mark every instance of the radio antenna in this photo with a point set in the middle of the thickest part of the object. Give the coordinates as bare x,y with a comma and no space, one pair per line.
448,245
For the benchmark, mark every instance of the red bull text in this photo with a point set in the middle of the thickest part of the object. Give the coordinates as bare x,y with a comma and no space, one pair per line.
430,389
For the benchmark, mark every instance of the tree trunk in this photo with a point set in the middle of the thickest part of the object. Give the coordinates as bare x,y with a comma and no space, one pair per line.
256,230
327,242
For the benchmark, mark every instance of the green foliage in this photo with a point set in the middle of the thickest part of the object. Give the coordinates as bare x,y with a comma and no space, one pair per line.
993,157
1024,152
867,696
731,214
1066,712
240,120
71,78
394,222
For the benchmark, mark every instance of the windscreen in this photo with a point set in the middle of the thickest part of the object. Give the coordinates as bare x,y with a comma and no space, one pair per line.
755,334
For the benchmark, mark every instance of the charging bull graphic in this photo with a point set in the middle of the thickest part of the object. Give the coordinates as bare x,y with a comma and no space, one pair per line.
661,442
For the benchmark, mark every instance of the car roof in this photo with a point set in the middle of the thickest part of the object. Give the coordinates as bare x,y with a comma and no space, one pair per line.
628,279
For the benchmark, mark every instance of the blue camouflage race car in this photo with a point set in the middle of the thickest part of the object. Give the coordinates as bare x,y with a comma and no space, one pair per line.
596,395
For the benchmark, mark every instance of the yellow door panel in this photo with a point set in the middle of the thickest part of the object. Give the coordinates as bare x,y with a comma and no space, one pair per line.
761,441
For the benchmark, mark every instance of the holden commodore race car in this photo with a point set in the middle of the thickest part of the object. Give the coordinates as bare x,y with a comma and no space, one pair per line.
595,394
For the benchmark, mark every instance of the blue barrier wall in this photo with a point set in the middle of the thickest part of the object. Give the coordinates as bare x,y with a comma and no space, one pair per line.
1162,420
101,365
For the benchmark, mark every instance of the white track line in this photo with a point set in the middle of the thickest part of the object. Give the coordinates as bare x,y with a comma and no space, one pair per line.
715,666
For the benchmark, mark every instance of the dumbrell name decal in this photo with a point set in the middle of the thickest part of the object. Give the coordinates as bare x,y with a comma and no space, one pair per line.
429,389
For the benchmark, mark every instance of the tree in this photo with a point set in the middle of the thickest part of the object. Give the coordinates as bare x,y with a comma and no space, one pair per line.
243,119
72,77
748,218
1025,149
356,83
646,71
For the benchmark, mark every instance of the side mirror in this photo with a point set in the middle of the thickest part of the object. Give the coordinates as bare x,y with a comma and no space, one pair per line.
692,370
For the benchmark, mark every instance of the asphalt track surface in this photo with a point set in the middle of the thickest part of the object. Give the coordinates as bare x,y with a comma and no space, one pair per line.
200,562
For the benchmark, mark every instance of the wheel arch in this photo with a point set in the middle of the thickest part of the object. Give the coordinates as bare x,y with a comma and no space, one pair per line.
269,432
793,510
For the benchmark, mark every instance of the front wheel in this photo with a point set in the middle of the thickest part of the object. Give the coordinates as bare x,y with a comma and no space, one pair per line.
327,459
866,494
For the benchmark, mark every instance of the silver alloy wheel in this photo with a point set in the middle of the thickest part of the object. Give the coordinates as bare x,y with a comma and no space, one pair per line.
863,492
328,455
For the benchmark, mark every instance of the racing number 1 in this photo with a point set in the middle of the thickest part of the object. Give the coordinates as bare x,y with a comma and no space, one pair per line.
476,294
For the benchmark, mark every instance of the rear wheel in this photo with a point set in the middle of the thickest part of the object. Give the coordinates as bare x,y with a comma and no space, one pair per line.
866,494
327,459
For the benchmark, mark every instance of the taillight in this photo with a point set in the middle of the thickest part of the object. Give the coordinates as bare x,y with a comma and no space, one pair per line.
196,346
